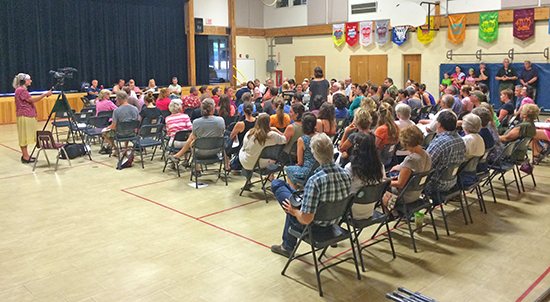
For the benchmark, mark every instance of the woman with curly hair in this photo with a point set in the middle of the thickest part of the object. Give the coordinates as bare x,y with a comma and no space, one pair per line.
387,131
366,169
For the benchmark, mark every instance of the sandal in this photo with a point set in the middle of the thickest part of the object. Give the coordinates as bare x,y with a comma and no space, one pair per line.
28,161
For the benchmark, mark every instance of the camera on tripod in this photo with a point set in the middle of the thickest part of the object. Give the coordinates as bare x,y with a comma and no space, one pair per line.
63,73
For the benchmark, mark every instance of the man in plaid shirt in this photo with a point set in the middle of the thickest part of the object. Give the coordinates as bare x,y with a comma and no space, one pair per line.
447,148
330,183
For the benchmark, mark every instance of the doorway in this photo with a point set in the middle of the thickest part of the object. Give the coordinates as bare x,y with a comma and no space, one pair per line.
412,68
373,68
305,66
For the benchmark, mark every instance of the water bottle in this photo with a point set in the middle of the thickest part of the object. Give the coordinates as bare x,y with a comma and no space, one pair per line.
101,87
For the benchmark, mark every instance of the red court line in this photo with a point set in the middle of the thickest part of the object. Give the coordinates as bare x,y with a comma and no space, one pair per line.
159,204
18,151
104,164
235,207
152,183
533,285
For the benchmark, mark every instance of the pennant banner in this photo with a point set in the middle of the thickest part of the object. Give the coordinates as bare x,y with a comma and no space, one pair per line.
381,32
423,34
366,33
399,34
351,33
488,26
524,23
457,28
338,35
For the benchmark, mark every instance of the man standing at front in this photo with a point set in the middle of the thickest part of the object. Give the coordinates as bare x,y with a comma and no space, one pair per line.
506,76
530,76
330,183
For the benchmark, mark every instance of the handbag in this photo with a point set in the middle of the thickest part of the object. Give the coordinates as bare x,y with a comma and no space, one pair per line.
527,168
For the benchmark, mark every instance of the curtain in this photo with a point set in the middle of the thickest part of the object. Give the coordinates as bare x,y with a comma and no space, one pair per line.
104,40
202,59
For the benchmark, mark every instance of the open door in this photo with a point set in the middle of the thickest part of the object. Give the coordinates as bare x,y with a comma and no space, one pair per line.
305,66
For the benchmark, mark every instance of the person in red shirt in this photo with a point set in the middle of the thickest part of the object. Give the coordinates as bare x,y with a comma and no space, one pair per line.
164,99
191,100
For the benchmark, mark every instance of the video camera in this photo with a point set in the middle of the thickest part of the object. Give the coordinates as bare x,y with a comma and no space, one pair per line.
63,73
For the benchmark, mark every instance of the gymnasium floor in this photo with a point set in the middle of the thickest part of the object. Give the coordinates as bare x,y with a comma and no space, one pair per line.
92,233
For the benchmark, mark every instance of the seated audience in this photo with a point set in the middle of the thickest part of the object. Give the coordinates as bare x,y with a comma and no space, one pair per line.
246,97
204,92
206,126
305,157
191,100
294,130
280,120
527,95
457,106
259,137
118,87
387,131
257,97
175,88
361,123
239,132
365,169
403,113
150,111
267,105
225,110
133,86
418,161
330,183
475,146
525,129
486,118
467,104
543,134
368,104
93,92
228,90
163,99
177,121
326,119
507,108
124,113
427,98
216,93
447,148
132,100
340,102
103,102
446,103
356,103
245,87
151,87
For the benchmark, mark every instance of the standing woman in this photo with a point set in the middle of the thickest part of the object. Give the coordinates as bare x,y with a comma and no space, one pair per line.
318,86
26,114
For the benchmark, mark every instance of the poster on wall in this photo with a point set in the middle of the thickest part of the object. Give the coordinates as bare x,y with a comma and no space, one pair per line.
524,23
488,26
366,33
457,28
399,34
338,35
424,34
351,33
381,32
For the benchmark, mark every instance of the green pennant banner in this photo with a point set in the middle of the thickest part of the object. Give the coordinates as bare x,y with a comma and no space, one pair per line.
488,26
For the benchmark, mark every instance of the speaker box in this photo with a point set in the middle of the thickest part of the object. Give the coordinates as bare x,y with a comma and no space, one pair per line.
199,27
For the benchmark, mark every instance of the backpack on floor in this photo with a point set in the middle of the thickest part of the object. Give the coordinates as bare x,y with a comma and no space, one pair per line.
126,160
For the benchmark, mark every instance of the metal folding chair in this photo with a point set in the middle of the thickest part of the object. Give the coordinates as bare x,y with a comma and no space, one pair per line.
180,136
268,153
206,151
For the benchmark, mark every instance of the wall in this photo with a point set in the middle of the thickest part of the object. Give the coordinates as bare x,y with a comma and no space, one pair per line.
433,54
249,13
256,48
212,9
284,16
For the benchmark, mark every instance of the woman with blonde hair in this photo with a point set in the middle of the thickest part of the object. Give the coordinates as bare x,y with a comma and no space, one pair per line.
525,129
259,137
103,102
387,131
26,114
151,87
280,119
163,100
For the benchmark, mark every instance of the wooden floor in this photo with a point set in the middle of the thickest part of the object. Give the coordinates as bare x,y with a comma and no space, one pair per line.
92,233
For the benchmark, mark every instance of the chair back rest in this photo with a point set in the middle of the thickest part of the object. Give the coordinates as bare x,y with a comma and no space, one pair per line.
152,121
470,166
231,126
44,140
272,152
165,113
341,123
428,139
189,111
507,150
449,172
106,113
425,109
327,211
182,135
62,114
127,129
416,182
82,117
371,193
90,109
98,121
436,108
151,131
312,170
522,144
387,153
483,159
209,143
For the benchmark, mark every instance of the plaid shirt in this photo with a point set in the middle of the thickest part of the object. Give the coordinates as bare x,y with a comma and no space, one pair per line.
447,148
330,183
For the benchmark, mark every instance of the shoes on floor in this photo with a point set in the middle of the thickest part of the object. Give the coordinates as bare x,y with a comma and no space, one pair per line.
28,161
278,249
174,159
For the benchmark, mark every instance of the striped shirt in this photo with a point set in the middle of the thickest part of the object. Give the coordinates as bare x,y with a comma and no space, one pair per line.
177,122
330,183
447,148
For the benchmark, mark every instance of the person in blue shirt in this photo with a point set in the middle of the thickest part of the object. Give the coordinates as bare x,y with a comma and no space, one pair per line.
245,98
340,101
93,91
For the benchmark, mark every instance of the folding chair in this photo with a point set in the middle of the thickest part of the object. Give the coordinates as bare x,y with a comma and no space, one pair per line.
301,183
80,122
268,153
428,139
387,155
483,172
320,238
522,147
372,194
501,165
468,169
189,111
86,101
45,141
95,127
150,136
415,114
206,151
106,113
180,136
61,120
126,132
406,211
165,113
341,124
88,109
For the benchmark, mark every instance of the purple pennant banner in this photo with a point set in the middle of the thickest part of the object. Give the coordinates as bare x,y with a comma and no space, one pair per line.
524,23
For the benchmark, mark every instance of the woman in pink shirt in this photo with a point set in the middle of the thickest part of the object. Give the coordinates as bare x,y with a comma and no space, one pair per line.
103,102
177,121
26,114
164,99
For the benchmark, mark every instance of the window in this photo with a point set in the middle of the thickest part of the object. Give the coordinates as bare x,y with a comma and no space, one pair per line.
299,2
218,49
282,3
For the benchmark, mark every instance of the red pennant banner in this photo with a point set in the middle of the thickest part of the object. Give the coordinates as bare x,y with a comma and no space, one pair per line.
352,30
524,23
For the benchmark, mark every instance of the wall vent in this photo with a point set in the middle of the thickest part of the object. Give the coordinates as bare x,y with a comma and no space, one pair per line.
283,40
363,8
